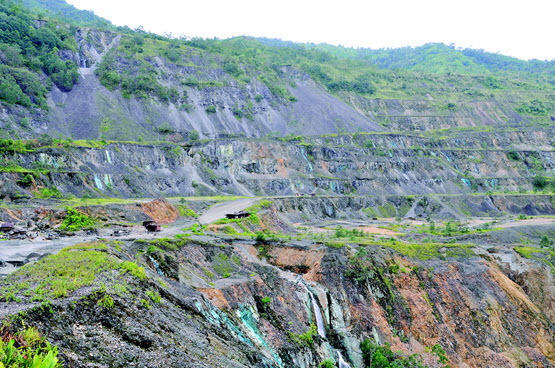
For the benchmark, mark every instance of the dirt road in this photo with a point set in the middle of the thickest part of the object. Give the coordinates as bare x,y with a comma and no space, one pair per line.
219,210
22,251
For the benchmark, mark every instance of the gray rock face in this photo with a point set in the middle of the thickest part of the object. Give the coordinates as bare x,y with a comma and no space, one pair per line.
91,111
358,165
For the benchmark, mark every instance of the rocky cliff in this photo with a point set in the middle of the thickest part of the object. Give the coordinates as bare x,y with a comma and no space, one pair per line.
229,302
358,165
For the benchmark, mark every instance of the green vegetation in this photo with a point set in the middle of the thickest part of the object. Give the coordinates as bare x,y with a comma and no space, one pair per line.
106,301
542,182
383,357
352,234
28,50
186,211
76,220
154,296
222,266
145,303
453,228
61,274
327,364
546,256
31,43
335,244
545,242
306,339
251,225
165,244
266,301
26,348
61,9
49,193
195,229
534,107
424,251
398,73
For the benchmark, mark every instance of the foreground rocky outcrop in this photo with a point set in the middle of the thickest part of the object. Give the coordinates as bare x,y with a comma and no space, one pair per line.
221,302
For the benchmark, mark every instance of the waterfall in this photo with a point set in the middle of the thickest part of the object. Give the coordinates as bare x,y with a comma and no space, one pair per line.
317,311
342,363
319,319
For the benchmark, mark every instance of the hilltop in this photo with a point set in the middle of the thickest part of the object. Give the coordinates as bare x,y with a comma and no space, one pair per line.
70,72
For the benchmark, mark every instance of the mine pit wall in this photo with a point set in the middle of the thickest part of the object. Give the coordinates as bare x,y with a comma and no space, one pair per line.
340,165
301,209
469,306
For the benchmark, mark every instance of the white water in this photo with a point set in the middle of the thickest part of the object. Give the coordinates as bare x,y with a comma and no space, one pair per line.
317,311
319,319
342,363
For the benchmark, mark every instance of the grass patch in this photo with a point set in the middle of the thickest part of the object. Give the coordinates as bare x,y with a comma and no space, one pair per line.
335,244
185,211
222,265
195,229
546,256
425,251
61,274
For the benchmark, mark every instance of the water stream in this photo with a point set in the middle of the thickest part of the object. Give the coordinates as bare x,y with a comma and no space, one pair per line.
320,324
318,313
342,363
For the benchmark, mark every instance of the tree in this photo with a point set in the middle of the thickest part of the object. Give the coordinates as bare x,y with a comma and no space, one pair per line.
45,140
194,135
165,128
545,242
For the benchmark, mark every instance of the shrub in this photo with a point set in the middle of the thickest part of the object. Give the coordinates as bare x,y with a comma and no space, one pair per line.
211,109
76,220
49,193
194,135
545,242
306,339
26,348
154,296
165,128
260,236
541,181
26,181
134,269
45,140
238,113
513,155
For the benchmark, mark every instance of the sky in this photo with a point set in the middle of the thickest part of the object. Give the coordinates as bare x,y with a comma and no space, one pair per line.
522,29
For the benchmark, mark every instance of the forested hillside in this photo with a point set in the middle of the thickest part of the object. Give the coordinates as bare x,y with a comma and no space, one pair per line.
66,12
138,83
